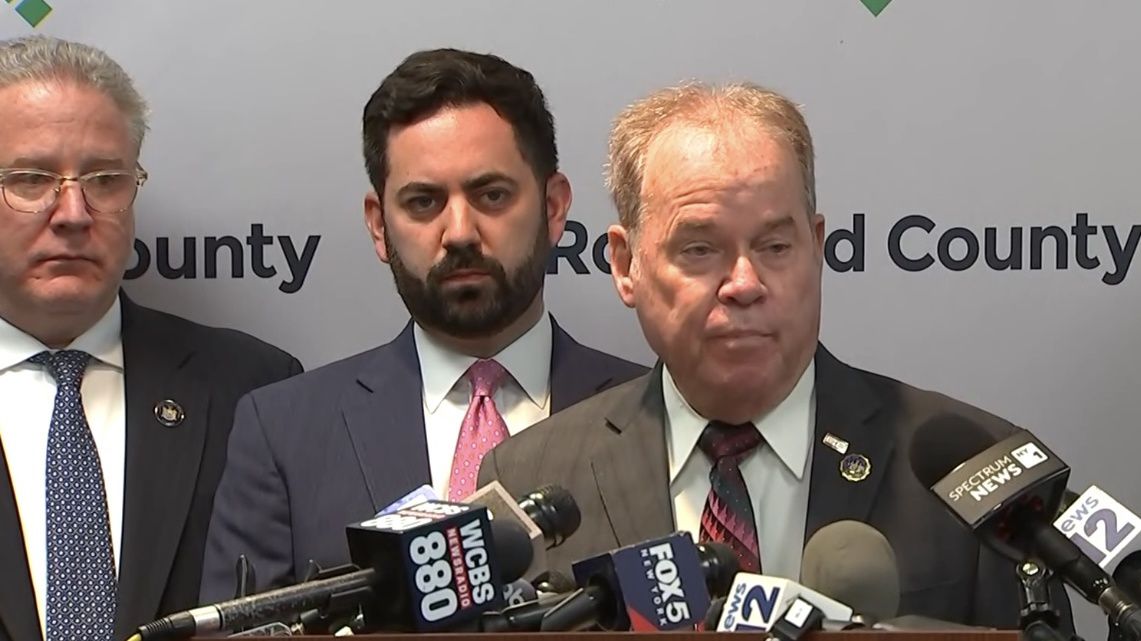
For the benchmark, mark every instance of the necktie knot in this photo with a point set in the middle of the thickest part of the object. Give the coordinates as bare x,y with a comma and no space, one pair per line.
485,376
720,440
66,366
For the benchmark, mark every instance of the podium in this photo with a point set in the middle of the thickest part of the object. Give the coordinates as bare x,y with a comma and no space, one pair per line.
849,635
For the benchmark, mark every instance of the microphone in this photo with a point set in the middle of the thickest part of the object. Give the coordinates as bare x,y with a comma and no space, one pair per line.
1103,529
1128,575
549,515
520,591
415,497
526,614
1108,533
848,574
853,563
757,601
799,619
661,584
1005,491
713,616
548,583
553,582
427,567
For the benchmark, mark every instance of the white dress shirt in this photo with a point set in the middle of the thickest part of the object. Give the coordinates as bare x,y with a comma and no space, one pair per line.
776,473
523,397
27,398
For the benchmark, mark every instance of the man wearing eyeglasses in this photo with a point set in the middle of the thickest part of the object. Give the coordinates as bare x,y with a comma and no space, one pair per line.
113,417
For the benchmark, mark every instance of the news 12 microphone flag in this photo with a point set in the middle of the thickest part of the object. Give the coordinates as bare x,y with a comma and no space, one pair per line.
976,162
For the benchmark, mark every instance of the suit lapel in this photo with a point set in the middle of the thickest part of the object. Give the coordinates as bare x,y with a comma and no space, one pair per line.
161,462
845,405
631,469
18,614
385,420
573,379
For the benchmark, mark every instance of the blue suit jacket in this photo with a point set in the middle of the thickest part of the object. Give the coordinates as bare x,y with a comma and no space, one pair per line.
333,446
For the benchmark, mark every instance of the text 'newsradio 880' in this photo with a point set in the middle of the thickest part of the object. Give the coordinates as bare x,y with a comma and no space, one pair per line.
445,548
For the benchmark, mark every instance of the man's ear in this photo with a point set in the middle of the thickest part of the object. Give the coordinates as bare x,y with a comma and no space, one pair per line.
558,203
374,220
622,262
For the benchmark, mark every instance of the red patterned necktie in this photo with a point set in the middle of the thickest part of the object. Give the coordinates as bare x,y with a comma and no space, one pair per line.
483,428
728,514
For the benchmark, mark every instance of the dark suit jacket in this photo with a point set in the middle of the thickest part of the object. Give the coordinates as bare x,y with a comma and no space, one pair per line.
312,454
610,453
171,472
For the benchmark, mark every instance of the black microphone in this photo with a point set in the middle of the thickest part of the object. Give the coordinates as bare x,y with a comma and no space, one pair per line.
1006,492
554,511
716,563
553,582
713,616
548,590
427,567
662,584
522,617
1128,575
582,607
549,515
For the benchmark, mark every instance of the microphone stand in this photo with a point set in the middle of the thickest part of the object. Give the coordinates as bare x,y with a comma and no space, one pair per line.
1038,619
343,611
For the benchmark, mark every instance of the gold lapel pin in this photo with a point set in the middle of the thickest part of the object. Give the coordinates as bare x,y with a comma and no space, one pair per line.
855,467
169,413
836,443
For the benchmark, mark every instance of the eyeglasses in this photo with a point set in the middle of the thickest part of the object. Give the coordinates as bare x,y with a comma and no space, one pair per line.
34,191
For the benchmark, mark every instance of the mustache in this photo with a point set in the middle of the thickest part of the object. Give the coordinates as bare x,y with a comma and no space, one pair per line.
465,258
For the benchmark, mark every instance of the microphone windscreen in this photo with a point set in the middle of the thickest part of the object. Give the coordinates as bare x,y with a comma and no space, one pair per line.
720,565
854,564
504,507
942,443
514,548
555,511
1127,575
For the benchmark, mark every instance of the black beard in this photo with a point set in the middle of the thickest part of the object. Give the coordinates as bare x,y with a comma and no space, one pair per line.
477,310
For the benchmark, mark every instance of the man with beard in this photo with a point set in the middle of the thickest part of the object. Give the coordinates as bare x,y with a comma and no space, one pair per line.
460,150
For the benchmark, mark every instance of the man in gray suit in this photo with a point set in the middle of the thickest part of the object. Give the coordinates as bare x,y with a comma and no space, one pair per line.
467,203
748,431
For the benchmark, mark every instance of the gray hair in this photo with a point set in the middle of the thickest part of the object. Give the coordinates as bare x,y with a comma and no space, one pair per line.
707,105
46,59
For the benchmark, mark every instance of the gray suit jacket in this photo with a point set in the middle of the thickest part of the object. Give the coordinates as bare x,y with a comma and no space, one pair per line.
335,445
610,453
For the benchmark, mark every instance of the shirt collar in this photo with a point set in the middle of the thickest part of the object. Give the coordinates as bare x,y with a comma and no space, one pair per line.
103,341
787,429
441,368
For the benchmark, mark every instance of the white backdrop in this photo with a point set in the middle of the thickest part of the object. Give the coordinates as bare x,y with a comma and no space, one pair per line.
973,114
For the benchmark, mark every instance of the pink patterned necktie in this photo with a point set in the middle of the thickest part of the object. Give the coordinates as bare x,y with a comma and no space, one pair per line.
483,428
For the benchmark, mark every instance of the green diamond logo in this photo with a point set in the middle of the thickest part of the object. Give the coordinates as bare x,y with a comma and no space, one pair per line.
32,11
876,6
